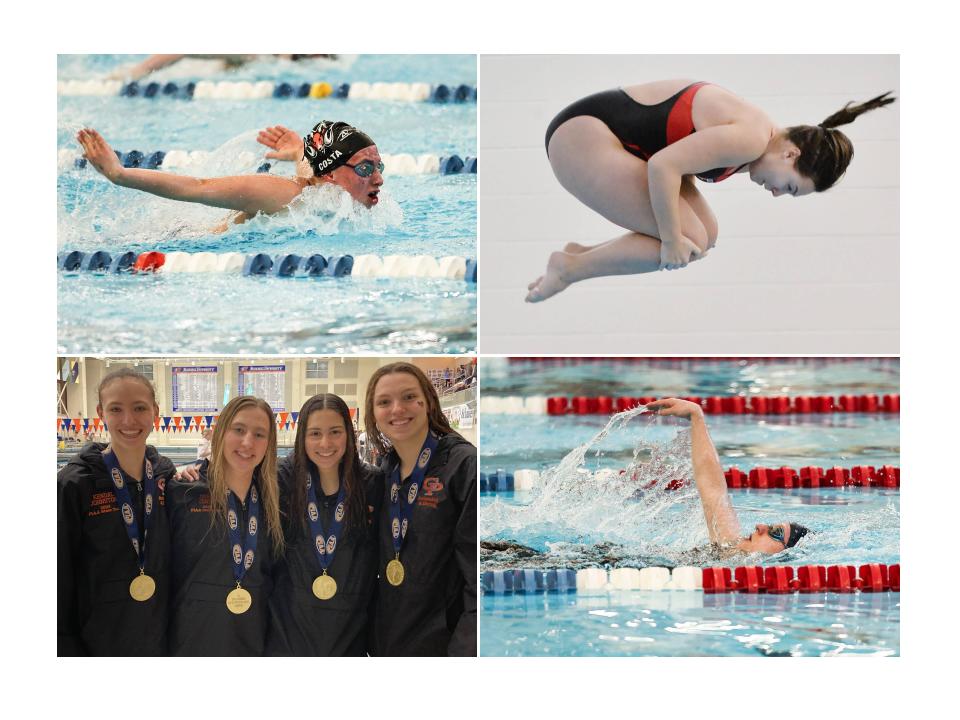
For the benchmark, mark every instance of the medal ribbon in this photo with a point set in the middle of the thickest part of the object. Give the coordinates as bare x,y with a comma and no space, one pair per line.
243,541
323,546
401,507
122,495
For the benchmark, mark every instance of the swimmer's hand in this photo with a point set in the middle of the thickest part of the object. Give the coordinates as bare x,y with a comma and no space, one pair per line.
676,407
99,154
286,144
675,255
190,473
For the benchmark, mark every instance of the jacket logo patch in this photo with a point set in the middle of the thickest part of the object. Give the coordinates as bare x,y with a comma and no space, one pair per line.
102,503
431,493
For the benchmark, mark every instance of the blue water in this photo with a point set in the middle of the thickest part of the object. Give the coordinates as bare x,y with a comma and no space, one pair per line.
417,215
586,518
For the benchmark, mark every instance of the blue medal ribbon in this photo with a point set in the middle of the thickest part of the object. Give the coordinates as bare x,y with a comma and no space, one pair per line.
243,541
323,545
125,502
401,505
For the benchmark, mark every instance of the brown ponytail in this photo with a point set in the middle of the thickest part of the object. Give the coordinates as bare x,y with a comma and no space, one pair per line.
825,152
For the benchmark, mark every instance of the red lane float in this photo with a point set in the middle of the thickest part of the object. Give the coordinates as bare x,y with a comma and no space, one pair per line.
149,261
780,579
787,478
737,405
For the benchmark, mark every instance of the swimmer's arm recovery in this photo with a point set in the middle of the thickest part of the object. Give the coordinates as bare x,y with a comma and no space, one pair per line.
249,194
713,147
722,523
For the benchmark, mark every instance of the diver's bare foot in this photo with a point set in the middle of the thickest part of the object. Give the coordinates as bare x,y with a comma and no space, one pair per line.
553,281
536,282
575,248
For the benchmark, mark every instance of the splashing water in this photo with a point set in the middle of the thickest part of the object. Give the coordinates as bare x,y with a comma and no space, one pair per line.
631,513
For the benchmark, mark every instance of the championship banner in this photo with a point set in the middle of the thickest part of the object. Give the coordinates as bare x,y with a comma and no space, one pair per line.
459,416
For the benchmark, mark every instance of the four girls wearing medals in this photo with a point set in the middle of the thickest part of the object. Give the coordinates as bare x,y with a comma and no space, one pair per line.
328,498
427,588
226,536
113,543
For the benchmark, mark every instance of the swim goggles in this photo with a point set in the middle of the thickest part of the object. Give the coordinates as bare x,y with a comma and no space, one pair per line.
776,532
366,168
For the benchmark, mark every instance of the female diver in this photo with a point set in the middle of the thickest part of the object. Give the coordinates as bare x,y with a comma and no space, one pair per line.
113,543
329,502
226,535
427,593
336,152
632,154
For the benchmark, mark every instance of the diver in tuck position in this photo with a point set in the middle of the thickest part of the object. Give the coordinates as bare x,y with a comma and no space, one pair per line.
632,154
726,537
333,152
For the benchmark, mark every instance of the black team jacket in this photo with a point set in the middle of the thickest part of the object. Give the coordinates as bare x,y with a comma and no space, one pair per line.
301,624
96,561
434,611
202,577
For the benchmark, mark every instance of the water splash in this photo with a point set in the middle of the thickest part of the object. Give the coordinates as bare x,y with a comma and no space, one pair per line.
634,512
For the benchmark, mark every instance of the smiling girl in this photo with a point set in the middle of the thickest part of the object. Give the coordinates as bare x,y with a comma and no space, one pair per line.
113,544
226,536
427,591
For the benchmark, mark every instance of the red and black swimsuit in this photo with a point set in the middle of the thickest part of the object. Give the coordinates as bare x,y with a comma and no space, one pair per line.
643,130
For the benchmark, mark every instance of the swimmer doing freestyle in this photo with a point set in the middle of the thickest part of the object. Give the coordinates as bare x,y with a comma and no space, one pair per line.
334,152
632,154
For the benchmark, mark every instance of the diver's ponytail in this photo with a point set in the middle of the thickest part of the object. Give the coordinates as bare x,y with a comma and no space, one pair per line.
851,111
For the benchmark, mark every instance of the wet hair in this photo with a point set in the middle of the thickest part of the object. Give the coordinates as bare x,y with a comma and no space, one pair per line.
265,472
123,374
351,470
437,420
826,152
797,531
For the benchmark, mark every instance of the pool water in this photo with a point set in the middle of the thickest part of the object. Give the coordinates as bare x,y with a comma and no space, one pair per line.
417,215
585,514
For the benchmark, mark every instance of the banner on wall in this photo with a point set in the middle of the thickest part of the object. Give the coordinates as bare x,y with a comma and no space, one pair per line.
459,416
263,381
195,389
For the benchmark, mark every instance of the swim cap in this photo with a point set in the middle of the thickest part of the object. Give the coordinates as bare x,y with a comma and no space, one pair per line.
796,532
332,144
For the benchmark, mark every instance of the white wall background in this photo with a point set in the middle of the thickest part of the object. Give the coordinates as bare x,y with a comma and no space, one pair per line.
816,274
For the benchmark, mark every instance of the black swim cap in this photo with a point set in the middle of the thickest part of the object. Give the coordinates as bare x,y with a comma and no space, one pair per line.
796,532
332,144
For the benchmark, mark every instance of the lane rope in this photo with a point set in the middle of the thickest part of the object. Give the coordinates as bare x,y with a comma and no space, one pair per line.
716,405
452,267
246,90
774,580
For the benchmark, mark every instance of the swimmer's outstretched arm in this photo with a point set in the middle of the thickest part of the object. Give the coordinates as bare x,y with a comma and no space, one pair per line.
719,146
158,62
286,144
722,523
249,194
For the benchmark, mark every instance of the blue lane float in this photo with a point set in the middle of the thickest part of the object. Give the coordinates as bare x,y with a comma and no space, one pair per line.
528,582
283,266
247,90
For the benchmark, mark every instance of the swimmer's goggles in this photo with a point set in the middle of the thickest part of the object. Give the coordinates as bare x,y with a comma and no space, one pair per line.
776,532
366,168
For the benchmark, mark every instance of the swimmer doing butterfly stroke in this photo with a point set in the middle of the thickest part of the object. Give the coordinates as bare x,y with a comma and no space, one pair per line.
335,152
632,154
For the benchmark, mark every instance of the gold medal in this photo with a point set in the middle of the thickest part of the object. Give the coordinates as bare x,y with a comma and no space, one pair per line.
142,587
395,572
324,587
239,601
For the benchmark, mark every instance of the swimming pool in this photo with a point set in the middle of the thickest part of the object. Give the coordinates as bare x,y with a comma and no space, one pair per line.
595,517
419,214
